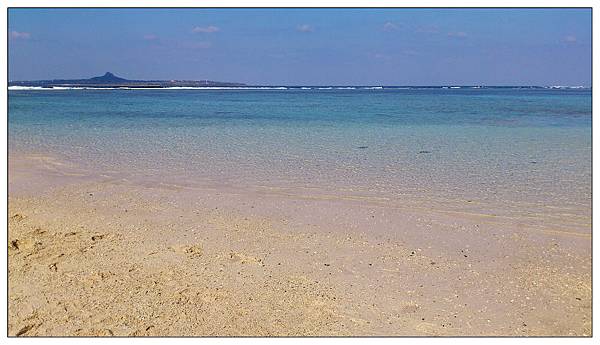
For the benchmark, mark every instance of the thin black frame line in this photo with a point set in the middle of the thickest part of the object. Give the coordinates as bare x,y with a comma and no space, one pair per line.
283,8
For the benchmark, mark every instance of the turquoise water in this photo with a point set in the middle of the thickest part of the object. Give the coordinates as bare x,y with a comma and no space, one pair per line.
496,151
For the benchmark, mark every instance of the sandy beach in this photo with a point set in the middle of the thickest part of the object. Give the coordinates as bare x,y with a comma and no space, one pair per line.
99,254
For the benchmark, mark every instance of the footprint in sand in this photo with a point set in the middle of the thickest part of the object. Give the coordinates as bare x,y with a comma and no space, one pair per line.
97,237
24,245
24,330
192,251
244,259
14,245
17,217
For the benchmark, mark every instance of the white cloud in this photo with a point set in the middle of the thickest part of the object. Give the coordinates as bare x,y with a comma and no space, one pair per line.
389,26
206,30
460,34
150,37
570,39
20,35
305,28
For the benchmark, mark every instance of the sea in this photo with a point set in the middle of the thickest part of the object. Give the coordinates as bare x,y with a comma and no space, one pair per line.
514,152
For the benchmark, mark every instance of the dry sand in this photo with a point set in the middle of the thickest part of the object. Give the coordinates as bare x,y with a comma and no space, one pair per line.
94,255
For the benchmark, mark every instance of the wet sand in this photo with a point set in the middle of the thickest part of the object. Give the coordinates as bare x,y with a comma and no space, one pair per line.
94,254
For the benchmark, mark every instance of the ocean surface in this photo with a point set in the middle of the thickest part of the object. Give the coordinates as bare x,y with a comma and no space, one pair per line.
521,154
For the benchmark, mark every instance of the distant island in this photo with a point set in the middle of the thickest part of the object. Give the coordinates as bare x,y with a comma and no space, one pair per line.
111,80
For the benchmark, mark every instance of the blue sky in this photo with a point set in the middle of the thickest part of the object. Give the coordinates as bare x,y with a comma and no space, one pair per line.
306,46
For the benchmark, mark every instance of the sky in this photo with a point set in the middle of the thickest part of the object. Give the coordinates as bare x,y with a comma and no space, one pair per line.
306,46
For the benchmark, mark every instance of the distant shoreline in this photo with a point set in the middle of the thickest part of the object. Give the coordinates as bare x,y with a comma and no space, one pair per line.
111,81
285,87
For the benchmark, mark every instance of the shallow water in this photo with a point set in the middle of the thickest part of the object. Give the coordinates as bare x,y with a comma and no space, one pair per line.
521,154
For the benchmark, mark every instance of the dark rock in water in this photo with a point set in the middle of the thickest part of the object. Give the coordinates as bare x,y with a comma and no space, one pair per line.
363,147
533,162
424,152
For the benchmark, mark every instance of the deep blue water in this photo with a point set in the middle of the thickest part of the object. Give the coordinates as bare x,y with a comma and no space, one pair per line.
488,107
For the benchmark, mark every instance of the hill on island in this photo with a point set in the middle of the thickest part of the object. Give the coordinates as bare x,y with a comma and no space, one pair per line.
111,80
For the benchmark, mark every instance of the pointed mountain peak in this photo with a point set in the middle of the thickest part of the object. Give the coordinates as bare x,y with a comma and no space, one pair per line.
108,77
